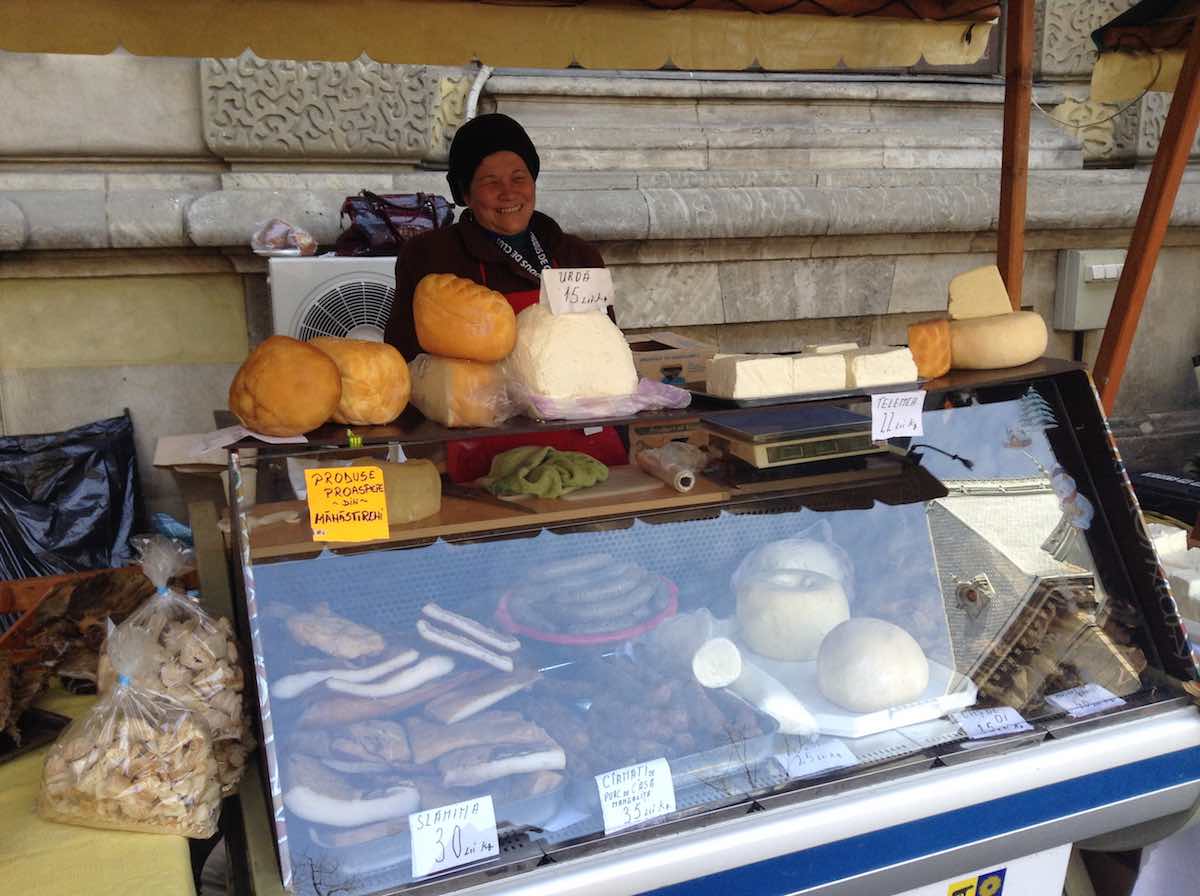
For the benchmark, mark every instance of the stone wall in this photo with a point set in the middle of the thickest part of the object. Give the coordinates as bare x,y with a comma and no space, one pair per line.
758,212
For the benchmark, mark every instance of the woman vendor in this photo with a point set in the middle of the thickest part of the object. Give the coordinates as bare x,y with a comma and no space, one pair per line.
502,242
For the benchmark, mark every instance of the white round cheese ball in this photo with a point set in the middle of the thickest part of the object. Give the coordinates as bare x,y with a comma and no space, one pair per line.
785,615
791,554
866,665
567,356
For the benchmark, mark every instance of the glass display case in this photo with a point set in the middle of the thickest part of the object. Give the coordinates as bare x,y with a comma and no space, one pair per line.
508,685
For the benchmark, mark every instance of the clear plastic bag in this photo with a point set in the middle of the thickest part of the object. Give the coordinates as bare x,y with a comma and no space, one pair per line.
649,395
277,237
192,659
138,761
459,393
811,550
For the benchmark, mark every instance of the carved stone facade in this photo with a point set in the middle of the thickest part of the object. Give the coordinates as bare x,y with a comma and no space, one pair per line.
1067,54
259,109
1064,37
1092,123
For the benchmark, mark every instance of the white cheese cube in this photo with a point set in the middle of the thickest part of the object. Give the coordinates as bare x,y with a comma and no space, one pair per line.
750,376
818,373
979,293
880,367
830,348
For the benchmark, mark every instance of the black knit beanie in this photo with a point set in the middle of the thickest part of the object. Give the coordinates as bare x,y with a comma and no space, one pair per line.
478,139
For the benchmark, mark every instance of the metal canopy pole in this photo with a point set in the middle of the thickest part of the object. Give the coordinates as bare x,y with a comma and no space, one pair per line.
1014,165
1157,204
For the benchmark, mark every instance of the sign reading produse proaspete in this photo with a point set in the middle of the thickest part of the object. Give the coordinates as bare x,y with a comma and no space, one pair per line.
575,290
347,503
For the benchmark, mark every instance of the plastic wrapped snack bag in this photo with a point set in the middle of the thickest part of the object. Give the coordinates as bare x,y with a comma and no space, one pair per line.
277,237
138,761
196,660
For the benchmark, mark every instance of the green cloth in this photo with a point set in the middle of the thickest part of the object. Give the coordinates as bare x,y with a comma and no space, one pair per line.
542,471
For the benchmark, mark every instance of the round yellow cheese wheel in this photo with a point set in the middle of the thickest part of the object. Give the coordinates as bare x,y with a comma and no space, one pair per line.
1003,340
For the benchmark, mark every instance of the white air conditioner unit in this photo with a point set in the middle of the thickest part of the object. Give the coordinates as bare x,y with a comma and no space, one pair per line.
347,297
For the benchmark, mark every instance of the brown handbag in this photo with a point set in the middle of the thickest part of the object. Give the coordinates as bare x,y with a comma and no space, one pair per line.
379,225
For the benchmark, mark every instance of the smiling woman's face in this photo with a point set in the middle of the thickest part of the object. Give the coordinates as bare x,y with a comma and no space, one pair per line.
502,193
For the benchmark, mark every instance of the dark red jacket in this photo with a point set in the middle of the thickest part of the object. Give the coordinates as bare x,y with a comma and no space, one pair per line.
461,249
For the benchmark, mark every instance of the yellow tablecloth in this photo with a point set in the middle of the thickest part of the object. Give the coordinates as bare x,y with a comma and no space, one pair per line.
49,859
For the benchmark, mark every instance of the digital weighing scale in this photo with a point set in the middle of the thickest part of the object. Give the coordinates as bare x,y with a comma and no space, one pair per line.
781,436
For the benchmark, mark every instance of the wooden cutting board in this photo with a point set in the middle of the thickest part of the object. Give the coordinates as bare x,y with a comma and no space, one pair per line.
627,480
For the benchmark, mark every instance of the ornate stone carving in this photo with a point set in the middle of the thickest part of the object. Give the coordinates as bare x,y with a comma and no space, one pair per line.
257,108
1091,123
1125,134
1066,34
449,110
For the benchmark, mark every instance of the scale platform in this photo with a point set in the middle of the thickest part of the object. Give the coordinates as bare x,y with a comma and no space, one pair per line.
782,436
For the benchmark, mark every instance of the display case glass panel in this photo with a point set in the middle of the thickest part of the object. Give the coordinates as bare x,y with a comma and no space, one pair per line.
612,667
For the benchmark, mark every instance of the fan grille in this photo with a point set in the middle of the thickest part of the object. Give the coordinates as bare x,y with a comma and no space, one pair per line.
355,308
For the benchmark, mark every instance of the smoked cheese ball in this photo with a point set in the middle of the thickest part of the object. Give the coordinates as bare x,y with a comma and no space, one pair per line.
285,388
458,318
375,380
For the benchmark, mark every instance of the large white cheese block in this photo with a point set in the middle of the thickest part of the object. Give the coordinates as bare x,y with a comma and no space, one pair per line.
570,356
750,376
765,376
992,343
978,293
818,373
880,367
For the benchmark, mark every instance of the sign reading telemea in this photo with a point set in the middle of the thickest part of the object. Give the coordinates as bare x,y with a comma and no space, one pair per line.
576,290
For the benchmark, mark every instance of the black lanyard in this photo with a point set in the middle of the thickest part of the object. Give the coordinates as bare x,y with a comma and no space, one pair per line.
511,251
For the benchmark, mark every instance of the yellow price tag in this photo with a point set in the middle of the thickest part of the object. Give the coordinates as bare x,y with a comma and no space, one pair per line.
347,503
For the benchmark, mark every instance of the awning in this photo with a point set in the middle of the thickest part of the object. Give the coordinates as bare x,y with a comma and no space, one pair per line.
617,34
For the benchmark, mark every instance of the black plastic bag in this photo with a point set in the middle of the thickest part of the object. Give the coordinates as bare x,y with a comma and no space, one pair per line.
68,500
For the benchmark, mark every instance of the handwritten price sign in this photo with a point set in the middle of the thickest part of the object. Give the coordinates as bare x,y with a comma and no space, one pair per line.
346,503
576,290
896,414
638,793
982,723
1085,700
823,755
453,835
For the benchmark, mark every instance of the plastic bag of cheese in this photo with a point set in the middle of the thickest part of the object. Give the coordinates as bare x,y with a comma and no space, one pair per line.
459,393
649,395
577,367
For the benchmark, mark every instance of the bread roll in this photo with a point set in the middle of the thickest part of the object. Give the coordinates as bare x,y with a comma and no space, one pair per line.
992,343
866,665
458,318
375,380
929,342
285,388
456,393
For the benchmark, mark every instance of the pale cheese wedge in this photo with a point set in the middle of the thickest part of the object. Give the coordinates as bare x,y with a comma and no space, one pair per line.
978,293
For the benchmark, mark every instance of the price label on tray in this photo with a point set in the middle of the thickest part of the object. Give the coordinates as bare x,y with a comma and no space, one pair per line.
635,794
575,290
1085,700
346,503
982,723
822,755
897,414
453,835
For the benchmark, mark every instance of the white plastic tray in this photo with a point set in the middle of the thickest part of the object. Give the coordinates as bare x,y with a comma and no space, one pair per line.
801,679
